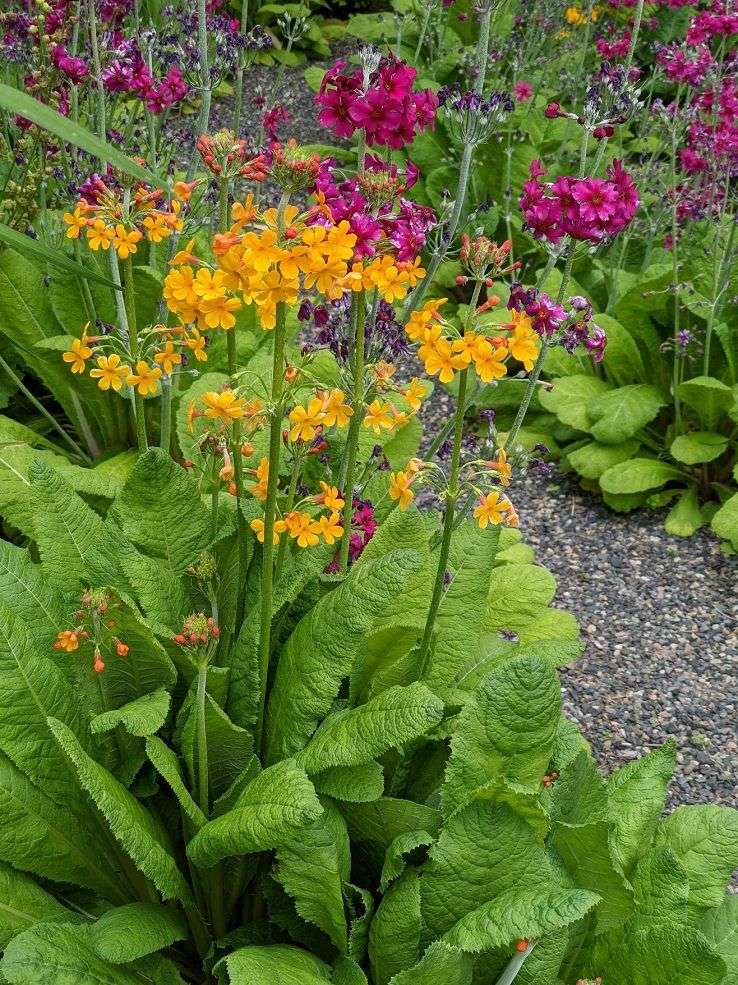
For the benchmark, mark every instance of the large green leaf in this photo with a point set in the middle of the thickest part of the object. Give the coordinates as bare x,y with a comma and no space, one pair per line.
704,839
570,397
394,859
356,735
228,746
619,414
639,475
517,594
505,733
50,840
130,932
143,716
61,954
25,588
698,447
166,763
685,516
137,830
23,903
21,104
440,963
357,784
269,812
383,820
321,651
313,868
394,934
622,361
484,849
669,956
592,459
725,521
711,398
275,964
519,913
720,927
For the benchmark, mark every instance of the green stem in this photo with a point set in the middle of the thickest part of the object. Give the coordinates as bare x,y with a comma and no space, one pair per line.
452,495
352,440
97,68
129,292
516,962
202,742
423,31
291,494
214,499
634,36
270,507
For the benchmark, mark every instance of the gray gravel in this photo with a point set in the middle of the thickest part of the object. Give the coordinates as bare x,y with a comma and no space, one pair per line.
659,614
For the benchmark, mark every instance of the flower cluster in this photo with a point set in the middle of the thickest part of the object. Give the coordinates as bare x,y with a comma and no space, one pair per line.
93,624
590,209
381,102
552,321
129,73
301,522
198,630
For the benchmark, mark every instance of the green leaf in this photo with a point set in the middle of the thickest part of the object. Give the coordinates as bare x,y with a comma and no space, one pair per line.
159,509
394,859
313,868
23,904
138,831
592,459
143,716
698,446
665,957
25,589
720,927
505,733
347,972
73,541
394,934
228,746
711,398
636,797
620,414
321,650
440,963
355,735
519,914
166,764
461,613
130,932
622,361
517,594
60,954
32,688
356,784
484,849
48,254
570,397
639,475
276,964
270,811
685,516
725,522
704,839
383,820
49,839
661,889
21,104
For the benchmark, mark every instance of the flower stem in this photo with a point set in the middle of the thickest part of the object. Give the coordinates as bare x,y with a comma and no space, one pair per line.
130,306
267,563
96,67
452,495
352,440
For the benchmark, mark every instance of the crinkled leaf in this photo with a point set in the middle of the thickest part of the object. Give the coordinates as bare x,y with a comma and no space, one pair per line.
394,934
322,649
138,831
639,475
720,927
570,397
669,956
661,890
347,972
229,747
130,932
166,763
142,716
23,903
440,963
381,821
517,594
269,812
725,521
592,459
698,446
25,589
356,784
620,414
356,735
710,397
399,847
276,964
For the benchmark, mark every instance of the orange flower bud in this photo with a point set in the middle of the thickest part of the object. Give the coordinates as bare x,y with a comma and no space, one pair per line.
121,649
99,665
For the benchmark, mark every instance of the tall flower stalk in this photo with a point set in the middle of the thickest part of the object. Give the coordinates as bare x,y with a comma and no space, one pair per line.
358,323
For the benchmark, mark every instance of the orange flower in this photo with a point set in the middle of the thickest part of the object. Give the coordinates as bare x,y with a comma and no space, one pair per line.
329,527
225,406
145,378
67,640
78,354
168,358
125,240
110,372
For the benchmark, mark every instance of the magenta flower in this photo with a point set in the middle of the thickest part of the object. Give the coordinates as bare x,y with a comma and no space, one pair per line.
522,91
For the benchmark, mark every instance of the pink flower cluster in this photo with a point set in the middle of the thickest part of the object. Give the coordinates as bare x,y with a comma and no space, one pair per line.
713,135
389,111
614,49
709,24
583,208
401,221
130,73
74,68
679,67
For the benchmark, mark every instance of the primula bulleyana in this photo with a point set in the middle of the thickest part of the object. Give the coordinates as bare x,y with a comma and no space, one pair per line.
491,509
110,372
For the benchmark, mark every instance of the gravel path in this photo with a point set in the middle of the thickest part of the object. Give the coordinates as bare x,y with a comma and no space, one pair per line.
659,614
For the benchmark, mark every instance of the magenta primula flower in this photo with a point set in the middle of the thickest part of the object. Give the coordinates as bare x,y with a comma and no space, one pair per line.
522,91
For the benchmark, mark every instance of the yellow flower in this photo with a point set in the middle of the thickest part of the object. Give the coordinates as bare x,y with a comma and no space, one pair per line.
502,467
244,212
110,372
258,527
442,360
329,527
412,270
335,410
399,488
196,344
179,287
431,336
184,256
523,343
330,497
489,361
383,372
261,250
67,640
168,358
574,15
303,528
423,318
156,228
78,354
259,490
225,405
218,312
491,509
389,279
145,378
125,241
99,235
466,346
415,393
378,416
76,222
306,420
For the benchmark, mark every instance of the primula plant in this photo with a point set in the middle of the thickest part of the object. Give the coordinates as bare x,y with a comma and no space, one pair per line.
279,698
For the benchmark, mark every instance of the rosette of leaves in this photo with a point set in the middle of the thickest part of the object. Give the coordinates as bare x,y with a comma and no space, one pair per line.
355,837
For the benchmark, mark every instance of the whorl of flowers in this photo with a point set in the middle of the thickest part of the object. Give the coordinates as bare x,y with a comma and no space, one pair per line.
129,73
709,24
681,68
590,209
381,102
567,328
